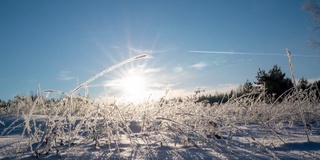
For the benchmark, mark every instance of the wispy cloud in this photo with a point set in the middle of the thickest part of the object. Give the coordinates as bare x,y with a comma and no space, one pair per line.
152,70
178,69
162,86
219,62
65,76
145,51
199,65
144,69
254,53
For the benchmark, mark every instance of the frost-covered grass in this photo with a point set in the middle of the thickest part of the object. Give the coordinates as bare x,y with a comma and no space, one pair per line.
248,127
106,128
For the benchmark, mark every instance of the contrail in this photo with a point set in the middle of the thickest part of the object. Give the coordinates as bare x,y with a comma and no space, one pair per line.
258,54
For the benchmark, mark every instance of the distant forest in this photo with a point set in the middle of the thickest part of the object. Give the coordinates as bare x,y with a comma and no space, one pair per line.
274,84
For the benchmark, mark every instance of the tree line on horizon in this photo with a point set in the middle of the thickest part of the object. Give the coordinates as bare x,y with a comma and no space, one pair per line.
274,84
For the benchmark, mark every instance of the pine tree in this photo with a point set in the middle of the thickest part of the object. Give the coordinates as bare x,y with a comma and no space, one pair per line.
274,81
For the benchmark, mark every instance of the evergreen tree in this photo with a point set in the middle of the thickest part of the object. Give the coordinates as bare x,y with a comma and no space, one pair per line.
274,81
247,87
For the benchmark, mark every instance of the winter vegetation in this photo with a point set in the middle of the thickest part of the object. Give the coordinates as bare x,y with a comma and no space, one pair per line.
272,118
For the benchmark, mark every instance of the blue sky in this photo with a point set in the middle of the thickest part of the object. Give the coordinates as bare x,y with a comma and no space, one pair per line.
59,44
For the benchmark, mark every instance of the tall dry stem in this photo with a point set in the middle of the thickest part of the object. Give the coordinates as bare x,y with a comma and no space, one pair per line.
298,94
104,72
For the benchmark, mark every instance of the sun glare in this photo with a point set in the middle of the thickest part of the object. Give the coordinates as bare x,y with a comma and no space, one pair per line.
134,87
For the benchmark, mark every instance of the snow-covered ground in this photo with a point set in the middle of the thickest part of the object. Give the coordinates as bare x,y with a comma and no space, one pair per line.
166,140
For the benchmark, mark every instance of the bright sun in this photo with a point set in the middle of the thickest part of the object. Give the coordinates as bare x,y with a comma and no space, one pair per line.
134,87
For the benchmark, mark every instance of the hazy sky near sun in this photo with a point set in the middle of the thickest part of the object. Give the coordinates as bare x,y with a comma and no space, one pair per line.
212,44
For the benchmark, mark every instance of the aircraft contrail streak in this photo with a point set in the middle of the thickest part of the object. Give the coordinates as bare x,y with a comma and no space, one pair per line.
258,54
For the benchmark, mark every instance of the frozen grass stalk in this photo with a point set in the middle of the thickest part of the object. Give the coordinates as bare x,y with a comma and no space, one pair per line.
298,94
104,72
101,74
